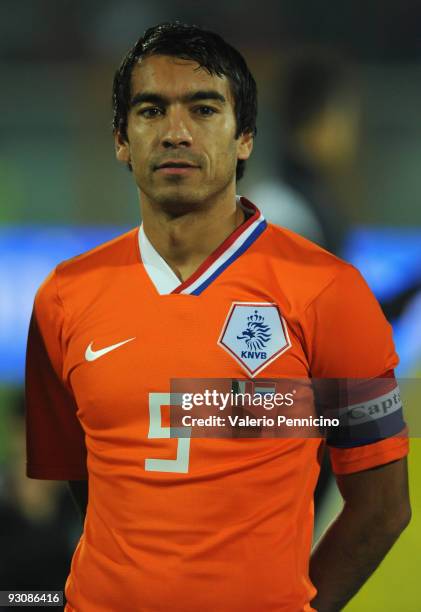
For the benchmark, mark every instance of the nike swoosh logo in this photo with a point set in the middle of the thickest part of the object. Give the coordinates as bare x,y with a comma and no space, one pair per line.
91,355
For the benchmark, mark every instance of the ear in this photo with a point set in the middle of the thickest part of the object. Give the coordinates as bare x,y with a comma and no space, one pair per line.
245,145
122,149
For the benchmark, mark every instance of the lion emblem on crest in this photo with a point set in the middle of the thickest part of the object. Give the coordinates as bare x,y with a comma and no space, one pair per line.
257,334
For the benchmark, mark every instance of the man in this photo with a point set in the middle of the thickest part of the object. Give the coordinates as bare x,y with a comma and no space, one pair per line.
321,119
321,116
203,524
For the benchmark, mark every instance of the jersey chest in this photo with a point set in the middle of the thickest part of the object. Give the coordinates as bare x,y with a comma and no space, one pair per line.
130,343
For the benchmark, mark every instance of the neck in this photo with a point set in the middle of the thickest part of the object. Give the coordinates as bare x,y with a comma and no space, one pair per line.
185,241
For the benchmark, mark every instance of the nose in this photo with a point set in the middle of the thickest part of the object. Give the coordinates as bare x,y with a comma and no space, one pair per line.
176,132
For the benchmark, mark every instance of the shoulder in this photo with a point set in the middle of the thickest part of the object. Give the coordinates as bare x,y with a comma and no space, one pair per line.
346,333
120,250
80,273
306,267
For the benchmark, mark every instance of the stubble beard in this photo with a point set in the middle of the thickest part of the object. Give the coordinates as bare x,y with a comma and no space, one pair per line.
176,199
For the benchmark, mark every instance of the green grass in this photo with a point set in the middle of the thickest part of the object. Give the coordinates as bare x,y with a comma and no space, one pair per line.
396,584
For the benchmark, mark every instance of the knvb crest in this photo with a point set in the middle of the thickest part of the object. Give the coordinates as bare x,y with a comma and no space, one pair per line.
255,335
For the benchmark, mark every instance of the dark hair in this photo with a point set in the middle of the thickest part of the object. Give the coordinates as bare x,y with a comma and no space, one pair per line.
314,79
210,51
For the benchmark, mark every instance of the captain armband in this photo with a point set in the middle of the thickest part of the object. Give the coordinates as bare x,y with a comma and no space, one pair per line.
369,410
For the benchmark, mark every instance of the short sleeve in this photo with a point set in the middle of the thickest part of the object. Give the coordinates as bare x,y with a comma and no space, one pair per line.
350,343
55,438
350,336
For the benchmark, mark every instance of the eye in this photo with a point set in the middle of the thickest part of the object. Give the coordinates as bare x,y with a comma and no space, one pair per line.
206,111
150,112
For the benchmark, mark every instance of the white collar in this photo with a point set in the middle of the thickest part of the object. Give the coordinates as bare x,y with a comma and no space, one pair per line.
157,268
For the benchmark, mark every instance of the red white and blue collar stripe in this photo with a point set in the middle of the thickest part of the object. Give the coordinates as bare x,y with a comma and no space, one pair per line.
231,249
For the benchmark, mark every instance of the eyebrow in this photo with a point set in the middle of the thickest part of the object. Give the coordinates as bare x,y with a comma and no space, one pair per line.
195,96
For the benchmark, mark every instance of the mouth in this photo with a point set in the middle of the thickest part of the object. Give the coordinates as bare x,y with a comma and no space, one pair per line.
176,167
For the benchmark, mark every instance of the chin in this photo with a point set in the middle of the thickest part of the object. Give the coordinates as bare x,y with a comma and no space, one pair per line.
178,201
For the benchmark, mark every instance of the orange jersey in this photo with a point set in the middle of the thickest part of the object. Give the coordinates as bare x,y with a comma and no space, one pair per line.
194,524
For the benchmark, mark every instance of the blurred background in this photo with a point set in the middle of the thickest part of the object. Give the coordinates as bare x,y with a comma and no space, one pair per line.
337,158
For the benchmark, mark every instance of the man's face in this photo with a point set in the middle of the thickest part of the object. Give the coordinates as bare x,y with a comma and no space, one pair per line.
181,133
